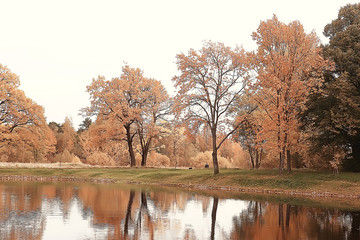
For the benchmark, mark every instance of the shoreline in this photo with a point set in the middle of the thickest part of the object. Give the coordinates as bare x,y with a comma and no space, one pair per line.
22,178
280,192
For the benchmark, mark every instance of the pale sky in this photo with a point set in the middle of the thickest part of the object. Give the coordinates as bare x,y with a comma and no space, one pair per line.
57,47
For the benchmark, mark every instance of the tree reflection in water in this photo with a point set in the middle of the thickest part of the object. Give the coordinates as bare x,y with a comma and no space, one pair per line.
28,210
262,221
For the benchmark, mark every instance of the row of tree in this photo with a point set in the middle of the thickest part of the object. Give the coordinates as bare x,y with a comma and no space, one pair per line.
290,99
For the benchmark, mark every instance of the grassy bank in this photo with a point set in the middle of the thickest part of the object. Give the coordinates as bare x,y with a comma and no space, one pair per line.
300,182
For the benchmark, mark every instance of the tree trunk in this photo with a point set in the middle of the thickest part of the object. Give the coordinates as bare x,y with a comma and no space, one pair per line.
354,163
143,159
288,158
215,161
129,140
258,161
251,156
281,156
286,153
213,217
281,164
174,152
145,151
214,153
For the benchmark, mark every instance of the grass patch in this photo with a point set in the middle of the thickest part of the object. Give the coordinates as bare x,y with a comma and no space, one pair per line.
299,180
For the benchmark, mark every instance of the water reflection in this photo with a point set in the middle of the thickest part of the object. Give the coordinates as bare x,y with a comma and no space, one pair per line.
90,211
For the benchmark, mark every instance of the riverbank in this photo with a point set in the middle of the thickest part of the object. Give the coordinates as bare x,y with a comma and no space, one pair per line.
298,183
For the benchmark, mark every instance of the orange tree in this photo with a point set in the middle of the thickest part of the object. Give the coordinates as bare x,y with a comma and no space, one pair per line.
211,81
289,67
126,100
16,110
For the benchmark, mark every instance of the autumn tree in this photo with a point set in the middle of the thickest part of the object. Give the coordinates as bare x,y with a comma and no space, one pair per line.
153,114
123,100
289,67
67,137
16,110
23,129
102,143
33,143
211,80
175,144
248,134
333,115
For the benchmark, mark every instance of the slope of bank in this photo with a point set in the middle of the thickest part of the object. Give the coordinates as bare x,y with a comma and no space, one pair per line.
300,182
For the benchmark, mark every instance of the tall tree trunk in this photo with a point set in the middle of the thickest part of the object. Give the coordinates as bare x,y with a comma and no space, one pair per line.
354,163
214,153
258,163
129,140
281,162
213,217
281,156
174,152
251,156
288,158
286,153
257,158
281,165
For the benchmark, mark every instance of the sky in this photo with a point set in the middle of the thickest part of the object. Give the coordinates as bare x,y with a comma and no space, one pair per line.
58,47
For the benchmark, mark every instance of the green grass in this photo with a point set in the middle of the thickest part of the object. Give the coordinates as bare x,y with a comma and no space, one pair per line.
299,180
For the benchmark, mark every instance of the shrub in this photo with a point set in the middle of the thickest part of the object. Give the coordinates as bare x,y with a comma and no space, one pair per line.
100,158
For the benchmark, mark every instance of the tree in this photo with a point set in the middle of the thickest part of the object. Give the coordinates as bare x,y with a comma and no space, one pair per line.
16,110
333,115
102,143
155,109
123,100
210,82
67,137
289,67
248,134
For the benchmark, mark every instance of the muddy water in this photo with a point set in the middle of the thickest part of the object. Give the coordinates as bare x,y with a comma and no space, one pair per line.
112,211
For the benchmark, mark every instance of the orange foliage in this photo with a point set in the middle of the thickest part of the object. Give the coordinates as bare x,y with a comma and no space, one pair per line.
102,144
100,158
289,66
23,129
67,137
127,101
158,160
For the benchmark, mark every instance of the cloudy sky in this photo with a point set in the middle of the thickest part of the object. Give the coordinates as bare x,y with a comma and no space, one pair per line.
57,47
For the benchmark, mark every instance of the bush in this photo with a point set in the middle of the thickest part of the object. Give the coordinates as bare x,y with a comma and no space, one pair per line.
64,157
157,160
100,158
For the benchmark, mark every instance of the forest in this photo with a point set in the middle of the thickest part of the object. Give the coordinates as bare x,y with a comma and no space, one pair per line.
291,103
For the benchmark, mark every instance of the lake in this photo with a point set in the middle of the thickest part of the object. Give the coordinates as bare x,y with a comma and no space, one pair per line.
67,211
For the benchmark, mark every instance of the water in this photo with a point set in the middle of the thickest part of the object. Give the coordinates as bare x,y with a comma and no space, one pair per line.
110,211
